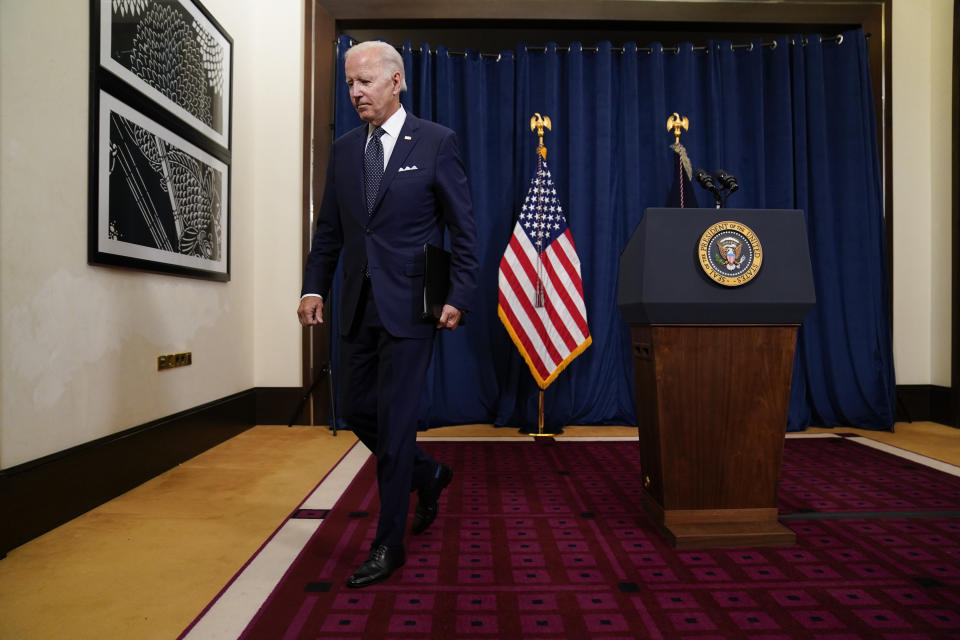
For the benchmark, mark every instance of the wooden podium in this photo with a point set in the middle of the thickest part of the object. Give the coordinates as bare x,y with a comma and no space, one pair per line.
712,371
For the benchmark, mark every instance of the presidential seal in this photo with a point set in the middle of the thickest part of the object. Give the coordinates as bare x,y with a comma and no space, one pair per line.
730,253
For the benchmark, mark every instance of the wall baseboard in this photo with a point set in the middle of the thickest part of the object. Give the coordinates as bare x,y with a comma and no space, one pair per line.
275,405
924,402
42,494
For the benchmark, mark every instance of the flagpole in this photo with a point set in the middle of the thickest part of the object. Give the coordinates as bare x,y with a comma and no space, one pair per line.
540,433
538,123
540,415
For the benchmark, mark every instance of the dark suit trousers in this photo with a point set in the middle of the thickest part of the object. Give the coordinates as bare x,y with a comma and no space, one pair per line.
381,379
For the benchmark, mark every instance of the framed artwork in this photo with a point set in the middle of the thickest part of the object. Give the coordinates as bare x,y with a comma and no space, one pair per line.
161,202
176,54
160,111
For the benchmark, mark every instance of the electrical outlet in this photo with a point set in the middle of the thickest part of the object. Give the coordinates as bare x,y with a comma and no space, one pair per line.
173,360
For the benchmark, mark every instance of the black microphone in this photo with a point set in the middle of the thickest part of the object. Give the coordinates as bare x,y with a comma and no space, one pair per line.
705,180
727,181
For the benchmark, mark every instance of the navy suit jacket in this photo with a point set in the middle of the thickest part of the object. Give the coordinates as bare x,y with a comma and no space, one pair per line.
424,189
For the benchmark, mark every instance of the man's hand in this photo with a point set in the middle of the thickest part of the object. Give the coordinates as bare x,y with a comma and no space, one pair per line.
449,318
310,311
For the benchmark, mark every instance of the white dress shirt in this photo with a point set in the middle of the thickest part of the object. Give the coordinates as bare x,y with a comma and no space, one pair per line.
391,129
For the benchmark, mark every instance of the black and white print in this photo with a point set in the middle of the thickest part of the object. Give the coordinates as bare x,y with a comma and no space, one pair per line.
172,53
160,199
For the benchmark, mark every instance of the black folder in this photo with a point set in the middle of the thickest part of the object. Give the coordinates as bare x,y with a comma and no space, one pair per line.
436,281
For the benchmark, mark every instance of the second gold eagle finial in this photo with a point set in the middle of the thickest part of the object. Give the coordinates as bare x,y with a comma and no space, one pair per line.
675,122
538,123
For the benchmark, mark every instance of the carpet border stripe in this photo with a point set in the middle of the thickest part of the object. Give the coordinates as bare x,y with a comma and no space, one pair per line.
927,461
530,438
328,492
804,436
233,610
422,438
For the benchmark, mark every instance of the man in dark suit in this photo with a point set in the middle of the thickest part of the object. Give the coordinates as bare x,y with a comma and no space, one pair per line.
392,186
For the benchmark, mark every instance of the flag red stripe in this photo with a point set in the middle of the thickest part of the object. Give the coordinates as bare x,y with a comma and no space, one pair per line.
572,271
573,311
567,253
525,345
564,260
523,309
558,325
520,328
556,313
522,257
528,310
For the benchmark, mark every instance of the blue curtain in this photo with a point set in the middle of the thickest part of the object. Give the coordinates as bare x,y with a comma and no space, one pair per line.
794,122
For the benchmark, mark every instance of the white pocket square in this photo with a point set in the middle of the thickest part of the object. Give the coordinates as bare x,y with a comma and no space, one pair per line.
413,168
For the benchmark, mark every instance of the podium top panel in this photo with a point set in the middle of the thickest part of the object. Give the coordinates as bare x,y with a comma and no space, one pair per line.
662,280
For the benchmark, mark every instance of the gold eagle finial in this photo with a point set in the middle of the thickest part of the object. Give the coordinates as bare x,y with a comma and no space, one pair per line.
538,123
675,122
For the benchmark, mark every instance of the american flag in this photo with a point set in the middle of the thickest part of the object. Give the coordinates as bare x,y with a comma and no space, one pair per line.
541,293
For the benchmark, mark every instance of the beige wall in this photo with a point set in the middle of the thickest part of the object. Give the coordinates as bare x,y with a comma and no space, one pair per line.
941,204
922,77
276,104
78,344
267,161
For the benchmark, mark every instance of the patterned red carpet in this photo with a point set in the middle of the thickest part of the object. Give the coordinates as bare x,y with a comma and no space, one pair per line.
839,475
546,540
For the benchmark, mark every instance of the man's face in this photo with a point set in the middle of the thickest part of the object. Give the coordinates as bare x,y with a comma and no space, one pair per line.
373,94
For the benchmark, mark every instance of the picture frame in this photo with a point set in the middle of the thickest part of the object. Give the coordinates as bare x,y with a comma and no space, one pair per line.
160,136
173,52
160,202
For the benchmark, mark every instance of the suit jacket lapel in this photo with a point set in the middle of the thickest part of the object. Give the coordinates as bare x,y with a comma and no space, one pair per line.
354,158
406,141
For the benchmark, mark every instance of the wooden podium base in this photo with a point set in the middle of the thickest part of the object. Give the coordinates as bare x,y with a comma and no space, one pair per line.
706,528
712,410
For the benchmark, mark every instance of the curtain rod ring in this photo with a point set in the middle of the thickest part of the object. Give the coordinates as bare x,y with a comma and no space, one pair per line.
649,50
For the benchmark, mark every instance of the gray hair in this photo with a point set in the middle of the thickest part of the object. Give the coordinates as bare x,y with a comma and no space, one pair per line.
390,60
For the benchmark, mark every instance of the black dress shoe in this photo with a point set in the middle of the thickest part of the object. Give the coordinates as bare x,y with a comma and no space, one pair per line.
428,504
381,562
